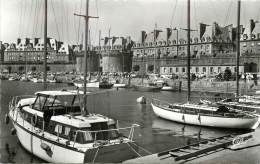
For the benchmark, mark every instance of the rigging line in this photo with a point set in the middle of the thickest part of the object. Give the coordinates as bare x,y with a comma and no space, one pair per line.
61,18
74,22
228,12
42,19
244,14
34,19
67,20
173,13
24,19
79,23
37,18
133,149
213,9
55,19
97,23
30,15
195,15
20,14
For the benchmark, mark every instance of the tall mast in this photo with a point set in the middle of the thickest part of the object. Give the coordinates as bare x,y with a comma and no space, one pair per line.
85,55
45,46
188,49
238,46
86,60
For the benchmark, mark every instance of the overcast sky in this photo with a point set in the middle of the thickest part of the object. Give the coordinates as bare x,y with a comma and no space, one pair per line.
24,18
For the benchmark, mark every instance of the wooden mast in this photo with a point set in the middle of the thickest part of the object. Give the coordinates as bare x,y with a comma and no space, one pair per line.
45,46
188,49
238,46
85,112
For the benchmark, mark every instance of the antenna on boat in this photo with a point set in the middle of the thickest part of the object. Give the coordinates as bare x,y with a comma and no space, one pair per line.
238,46
84,111
188,49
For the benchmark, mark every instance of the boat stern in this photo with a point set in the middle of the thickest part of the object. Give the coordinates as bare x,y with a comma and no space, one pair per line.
112,154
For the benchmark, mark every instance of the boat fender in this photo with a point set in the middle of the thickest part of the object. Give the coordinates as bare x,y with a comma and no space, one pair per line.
6,119
13,131
47,149
34,120
183,117
199,118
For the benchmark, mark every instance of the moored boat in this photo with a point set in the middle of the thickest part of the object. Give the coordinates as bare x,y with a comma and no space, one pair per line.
52,126
205,115
147,88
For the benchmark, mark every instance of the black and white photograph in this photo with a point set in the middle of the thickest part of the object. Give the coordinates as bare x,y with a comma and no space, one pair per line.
130,81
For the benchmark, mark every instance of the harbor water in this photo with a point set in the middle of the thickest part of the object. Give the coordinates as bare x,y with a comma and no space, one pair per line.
153,135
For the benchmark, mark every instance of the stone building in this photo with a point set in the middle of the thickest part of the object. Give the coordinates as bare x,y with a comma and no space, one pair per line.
30,52
212,50
115,54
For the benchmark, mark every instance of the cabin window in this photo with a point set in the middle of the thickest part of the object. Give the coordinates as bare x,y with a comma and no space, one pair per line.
84,137
39,102
58,129
67,131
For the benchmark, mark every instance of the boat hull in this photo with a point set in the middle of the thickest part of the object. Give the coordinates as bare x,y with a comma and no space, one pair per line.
60,154
147,88
203,120
89,85
119,85
168,88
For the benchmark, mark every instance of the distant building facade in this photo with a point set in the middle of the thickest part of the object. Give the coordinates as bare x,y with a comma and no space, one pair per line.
32,51
115,54
212,49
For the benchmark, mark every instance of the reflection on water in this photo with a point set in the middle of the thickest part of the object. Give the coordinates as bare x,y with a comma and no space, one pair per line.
154,134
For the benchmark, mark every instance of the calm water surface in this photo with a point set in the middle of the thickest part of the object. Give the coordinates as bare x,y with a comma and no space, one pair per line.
154,134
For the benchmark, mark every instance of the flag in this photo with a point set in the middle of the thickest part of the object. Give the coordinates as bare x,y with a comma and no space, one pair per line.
202,29
169,32
252,25
114,39
218,30
106,40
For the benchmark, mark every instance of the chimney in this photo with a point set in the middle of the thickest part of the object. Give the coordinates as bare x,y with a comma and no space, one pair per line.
168,33
143,36
18,41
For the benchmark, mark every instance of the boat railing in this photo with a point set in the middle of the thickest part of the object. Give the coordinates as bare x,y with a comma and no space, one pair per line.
120,139
13,103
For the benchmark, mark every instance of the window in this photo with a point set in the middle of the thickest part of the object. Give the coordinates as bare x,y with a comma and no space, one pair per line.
235,69
164,69
211,69
219,69
177,69
183,69
170,70
197,69
58,129
204,69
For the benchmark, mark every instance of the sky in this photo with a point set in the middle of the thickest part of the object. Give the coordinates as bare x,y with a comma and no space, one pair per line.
24,18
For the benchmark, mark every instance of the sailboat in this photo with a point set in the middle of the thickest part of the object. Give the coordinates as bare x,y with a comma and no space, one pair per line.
203,114
54,126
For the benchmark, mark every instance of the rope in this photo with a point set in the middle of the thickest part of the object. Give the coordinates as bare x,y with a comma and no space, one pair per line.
173,13
145,150
133,149
55,19
30,15
95,155
228,12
